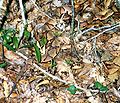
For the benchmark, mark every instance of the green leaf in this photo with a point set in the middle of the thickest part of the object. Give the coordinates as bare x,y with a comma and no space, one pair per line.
101,87
68,61
27,34
15,42
37,52
3,65
9,47
98,85
58,33
9,32
53,63
43,41
72,89
104,89
7,38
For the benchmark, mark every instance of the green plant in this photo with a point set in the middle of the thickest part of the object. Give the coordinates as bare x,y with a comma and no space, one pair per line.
68,61
72,89
43,41
10,41
100,87
37,52
27,34
3,65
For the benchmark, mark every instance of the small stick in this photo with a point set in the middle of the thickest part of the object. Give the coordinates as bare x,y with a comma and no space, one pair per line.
23,19
101,33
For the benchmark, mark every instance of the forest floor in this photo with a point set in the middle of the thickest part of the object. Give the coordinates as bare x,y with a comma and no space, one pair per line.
59,51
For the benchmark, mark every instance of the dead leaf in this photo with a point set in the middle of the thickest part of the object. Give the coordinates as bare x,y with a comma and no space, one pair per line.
60,100
113,70
115,53
114,40
117,61
104,12
113,76
41,83
13,95
113,73
107,3
13,57
62,69
6,88
106,56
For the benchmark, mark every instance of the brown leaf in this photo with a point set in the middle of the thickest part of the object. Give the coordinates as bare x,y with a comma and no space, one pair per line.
6,88
60,99
107,3
113,76
117,61
13,57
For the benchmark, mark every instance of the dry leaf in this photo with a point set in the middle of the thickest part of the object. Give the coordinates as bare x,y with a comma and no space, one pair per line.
13,95
104,12
115,53
107,3
113,70
113,76
64,68
114,40
117,61
41,83
60,100
14,58
113,73
106,56
6,88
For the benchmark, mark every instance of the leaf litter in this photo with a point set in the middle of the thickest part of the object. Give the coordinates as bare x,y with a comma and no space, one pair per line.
46,66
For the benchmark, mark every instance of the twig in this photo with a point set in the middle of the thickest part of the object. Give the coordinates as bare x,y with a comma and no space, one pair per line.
101,33
73,17
50,75
23,19
92,28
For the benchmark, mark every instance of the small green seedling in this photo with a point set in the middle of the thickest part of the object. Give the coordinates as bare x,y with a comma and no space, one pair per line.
43,41
27,34
72,89
101,87
68,62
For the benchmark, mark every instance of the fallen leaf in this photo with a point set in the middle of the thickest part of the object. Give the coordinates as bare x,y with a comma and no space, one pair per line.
113,70
6,88
113,77
13,57
117,61
41,83
114,40
107,3
59,99
13,95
